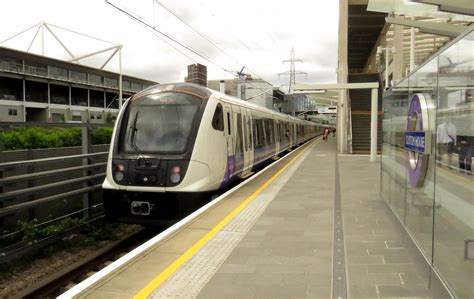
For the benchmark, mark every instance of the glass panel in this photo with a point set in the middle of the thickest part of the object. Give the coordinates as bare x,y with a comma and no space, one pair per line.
58,73
393,152
78,77
110,82
419,198
37,69
126,85
136,86
454,212
11,64
94,79
160,123
218,119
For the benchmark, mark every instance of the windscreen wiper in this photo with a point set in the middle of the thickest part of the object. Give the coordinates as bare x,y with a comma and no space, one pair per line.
133,135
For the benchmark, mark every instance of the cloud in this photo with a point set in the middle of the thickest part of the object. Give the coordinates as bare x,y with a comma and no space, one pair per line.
257,34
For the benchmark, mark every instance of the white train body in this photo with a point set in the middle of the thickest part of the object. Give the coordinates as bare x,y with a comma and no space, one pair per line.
187,139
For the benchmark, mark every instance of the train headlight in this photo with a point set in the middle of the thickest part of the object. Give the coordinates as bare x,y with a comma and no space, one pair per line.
121,167
119,176
119,171
175,176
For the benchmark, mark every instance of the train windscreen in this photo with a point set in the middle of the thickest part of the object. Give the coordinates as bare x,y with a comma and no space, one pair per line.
160,123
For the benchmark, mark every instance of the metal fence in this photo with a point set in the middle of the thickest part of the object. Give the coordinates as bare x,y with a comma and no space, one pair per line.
40,188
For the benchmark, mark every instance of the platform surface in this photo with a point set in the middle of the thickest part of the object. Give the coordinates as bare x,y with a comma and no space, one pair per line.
281,245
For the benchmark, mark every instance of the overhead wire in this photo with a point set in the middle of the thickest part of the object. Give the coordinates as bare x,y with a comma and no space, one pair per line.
156,31
203,36
139,19
210,41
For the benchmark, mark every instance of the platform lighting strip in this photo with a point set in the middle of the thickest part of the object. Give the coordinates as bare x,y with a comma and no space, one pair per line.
87,283
163,276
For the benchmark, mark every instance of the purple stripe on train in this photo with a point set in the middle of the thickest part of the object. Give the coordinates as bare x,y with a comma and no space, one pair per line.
229,170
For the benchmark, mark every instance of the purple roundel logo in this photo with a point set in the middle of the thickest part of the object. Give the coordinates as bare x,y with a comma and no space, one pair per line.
418,138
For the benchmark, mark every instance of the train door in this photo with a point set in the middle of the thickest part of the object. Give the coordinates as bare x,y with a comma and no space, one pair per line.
248,143
277,137
238,138
228,127
295,136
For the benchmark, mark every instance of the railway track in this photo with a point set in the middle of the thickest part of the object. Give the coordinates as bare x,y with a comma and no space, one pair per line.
54,285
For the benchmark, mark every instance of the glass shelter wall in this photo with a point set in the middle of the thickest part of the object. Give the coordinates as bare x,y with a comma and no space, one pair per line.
439,210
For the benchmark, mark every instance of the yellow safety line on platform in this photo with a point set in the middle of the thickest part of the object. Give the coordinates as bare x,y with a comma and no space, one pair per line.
163,276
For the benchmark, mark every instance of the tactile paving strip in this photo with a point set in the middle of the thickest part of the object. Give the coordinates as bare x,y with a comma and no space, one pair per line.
339,284
191,278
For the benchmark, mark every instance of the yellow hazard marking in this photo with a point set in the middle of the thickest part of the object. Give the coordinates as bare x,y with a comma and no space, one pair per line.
163,276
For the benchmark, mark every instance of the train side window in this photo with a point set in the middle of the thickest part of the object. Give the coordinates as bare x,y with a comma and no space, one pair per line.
264,135
239,140
278,131
218,119
256,134
228,123
246,145
249,135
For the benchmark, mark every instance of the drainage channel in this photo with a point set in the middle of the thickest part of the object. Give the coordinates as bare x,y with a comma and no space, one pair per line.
339,283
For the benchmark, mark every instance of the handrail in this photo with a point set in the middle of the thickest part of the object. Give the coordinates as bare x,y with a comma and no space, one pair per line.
349,130
48,173
8,125
62,158
48,186
28,204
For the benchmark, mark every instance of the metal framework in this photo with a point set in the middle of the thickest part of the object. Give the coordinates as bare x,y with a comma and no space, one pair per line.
463,7
292,72
40,29
427,27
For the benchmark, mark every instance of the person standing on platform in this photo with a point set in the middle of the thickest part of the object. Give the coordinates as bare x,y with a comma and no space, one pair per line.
325,134
334,132
446,140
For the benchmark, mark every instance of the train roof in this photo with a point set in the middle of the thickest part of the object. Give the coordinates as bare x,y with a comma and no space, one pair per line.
205,93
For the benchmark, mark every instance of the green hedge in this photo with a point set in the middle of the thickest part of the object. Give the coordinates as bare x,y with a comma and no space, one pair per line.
35,138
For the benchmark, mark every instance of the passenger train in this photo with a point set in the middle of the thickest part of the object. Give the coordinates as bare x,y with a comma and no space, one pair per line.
174,142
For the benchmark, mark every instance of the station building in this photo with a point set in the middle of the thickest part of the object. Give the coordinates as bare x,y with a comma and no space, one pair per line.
35,88
422,55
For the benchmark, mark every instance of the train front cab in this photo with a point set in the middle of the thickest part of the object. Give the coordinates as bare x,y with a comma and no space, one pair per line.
151,152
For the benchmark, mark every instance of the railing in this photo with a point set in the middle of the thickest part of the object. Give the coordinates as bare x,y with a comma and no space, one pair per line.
349,124
43,72
48,192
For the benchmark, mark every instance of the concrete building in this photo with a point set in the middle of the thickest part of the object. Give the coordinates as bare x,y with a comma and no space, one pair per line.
296,104
257,91
35,88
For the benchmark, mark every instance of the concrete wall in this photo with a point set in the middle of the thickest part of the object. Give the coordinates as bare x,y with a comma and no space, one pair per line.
11,113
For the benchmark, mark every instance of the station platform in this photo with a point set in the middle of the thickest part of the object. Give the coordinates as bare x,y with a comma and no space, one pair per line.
312,225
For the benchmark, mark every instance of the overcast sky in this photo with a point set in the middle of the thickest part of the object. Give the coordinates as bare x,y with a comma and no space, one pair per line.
256,33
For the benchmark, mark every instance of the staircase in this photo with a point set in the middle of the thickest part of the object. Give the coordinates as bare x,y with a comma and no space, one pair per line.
360,100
